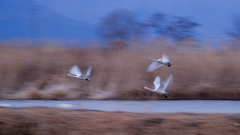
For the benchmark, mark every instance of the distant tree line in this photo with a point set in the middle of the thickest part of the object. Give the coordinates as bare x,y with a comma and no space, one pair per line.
123,24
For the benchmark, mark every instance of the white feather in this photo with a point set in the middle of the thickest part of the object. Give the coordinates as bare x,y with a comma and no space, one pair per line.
165,58
75,71
154,66
164,84
157,82
88,71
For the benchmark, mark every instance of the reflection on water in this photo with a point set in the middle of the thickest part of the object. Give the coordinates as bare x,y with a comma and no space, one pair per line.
156,106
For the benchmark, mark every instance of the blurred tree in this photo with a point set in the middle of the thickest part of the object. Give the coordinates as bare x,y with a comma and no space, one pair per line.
178,28
119,25
157,22
235,31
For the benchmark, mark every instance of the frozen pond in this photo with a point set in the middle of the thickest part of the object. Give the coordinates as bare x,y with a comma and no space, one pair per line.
150,106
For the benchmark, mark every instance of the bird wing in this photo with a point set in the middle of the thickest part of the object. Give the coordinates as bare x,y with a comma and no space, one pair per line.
88,71
165,58
154,66
157,82
165,83
75,71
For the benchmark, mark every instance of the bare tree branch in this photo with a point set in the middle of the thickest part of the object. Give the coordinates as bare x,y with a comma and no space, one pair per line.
120,24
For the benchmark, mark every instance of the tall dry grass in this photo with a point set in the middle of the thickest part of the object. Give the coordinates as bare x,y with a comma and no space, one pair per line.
38,72
49,121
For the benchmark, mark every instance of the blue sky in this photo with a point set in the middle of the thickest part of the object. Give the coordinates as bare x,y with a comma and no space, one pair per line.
215,16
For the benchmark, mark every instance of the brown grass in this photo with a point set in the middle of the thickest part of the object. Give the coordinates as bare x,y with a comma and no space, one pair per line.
46,121
38,72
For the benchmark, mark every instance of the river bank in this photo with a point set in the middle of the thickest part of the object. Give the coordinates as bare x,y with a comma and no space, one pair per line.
48,121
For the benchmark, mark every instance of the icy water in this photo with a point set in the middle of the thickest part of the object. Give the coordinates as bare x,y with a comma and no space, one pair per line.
156,106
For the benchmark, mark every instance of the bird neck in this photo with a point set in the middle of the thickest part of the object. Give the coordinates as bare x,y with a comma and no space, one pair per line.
151,59
148,88
71,75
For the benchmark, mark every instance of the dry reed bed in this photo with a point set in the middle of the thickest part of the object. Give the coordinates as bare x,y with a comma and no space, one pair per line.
38,72
46,121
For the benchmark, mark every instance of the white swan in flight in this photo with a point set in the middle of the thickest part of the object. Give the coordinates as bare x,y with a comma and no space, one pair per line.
76,73
157,63
160,87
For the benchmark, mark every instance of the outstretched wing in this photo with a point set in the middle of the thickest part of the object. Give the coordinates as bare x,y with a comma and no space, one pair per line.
165,83
154,66
88,71
75,71
157,82
165,58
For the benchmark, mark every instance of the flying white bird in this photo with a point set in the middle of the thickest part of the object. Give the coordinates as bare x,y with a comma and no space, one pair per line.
76,73
160,87
157,63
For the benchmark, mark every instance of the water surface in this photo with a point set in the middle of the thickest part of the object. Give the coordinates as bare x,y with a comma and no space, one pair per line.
150,106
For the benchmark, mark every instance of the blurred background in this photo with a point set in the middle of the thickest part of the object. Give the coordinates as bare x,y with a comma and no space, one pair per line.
40,40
